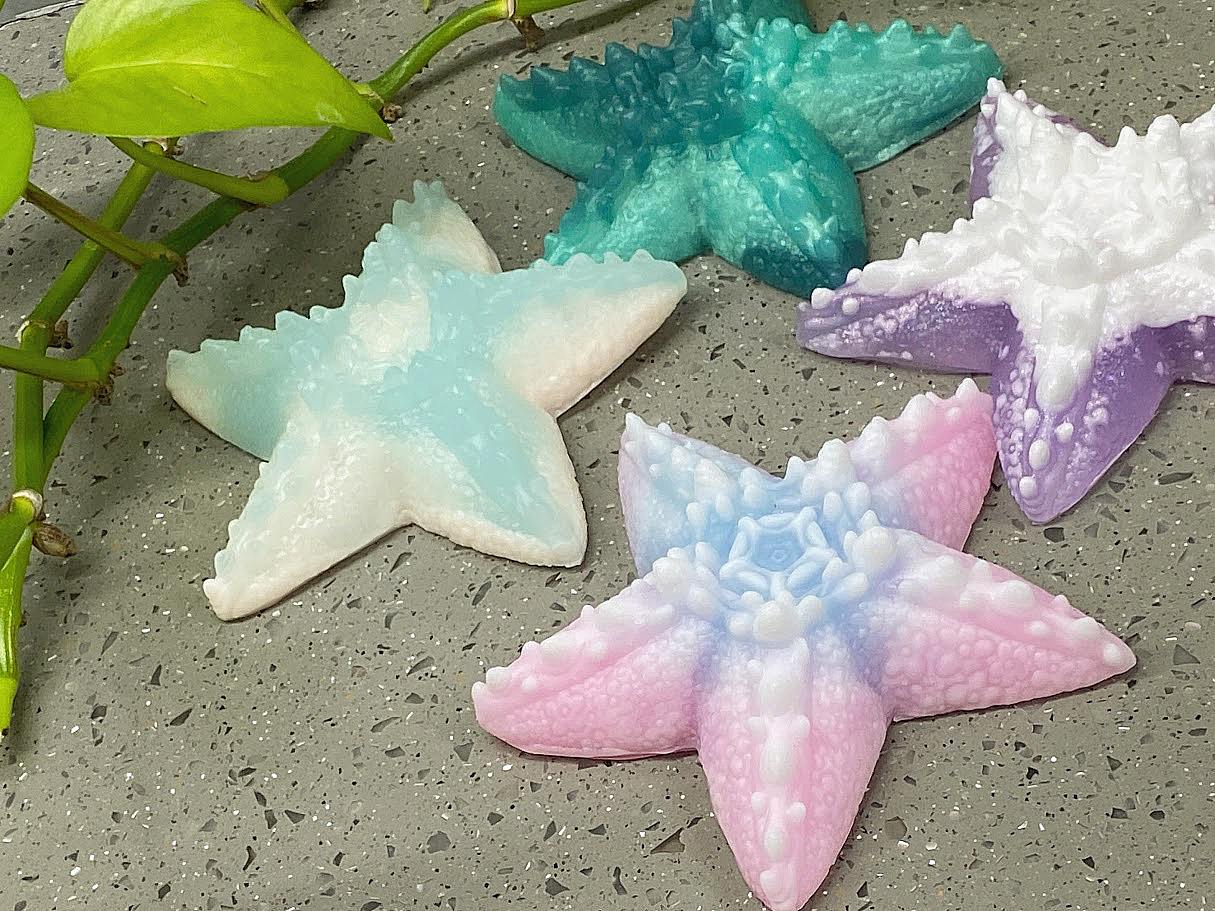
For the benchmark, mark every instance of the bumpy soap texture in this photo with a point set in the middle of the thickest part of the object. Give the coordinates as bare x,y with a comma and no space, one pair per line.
429,396
741,136
780,624
1082,282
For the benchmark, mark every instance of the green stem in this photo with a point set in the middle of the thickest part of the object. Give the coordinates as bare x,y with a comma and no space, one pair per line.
258,191
12,582
16,536
30,466
131,252
71,372
277,13
415,60
17,518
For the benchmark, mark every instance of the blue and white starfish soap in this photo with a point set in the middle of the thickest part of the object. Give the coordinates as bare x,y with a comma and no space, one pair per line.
428,397
780,625
741,135
1082,282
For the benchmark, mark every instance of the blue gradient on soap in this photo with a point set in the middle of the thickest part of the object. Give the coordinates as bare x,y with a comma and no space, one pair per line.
428,397
741,136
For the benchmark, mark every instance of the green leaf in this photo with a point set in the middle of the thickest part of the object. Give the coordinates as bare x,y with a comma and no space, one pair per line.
16,144
170,67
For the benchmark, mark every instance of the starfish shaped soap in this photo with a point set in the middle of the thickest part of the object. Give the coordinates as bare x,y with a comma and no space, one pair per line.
1082,282
429,396
780,624
741,135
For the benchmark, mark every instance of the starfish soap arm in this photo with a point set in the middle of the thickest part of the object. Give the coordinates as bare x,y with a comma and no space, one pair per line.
950,632
565,118
433,232
243,390
569,118
918,308
590,316
788,748
988,146
776,200
671,487
1052,455
929,469
340,478
785,206
294,524
618,682
873,94
613,210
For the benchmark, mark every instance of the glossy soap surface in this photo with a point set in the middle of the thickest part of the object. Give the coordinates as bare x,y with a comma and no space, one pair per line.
1081,282
741,135
429,397
780,624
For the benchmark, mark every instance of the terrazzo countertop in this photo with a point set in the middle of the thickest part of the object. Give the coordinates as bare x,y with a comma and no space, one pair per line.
324,755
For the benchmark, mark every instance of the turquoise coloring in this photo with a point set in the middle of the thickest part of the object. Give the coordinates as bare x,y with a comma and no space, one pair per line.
741,136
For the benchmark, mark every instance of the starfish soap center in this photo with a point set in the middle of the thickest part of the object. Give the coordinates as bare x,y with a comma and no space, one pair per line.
787,571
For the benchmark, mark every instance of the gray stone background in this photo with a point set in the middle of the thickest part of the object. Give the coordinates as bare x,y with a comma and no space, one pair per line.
324,755
26,9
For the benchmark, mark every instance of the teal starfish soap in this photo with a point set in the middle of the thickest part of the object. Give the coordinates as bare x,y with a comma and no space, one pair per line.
740,136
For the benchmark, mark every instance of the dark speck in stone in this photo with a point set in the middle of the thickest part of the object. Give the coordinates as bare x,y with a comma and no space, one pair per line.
1181,656
669,845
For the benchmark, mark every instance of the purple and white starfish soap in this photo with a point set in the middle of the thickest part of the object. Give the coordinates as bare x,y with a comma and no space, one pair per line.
1082,282
780,624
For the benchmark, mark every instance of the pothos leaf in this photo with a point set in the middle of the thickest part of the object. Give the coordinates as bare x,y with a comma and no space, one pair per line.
170,67
16,144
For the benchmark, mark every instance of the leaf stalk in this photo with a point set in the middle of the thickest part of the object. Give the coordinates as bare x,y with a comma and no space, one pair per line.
258,191
132,252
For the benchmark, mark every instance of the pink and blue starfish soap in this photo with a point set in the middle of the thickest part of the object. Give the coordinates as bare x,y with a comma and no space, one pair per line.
781,624
1082,282
741,135
428,397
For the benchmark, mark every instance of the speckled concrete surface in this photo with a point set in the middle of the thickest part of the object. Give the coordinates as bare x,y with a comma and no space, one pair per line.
324,755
